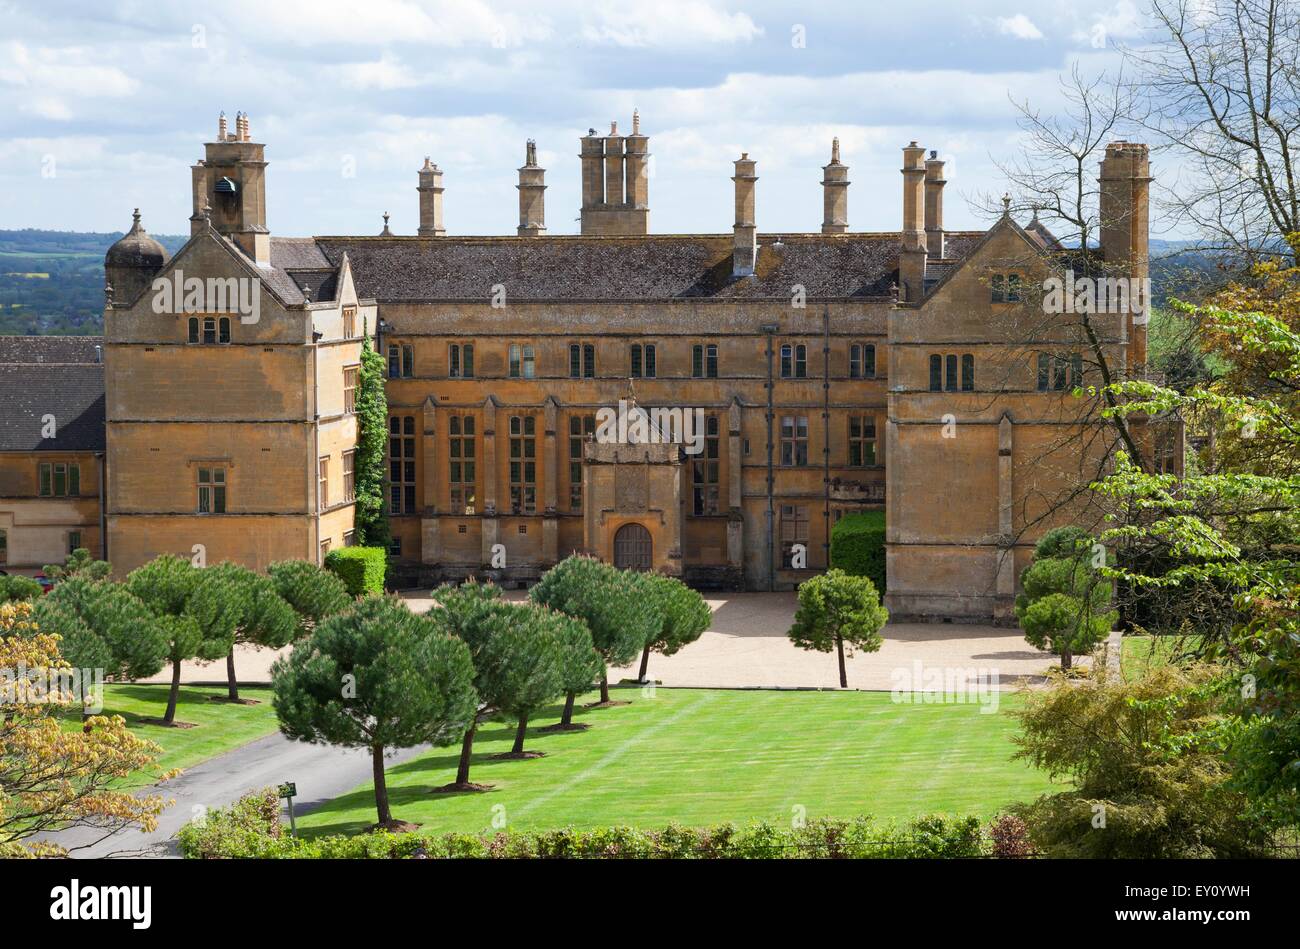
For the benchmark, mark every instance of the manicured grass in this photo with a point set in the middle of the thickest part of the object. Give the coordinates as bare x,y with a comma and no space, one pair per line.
221,726
1140,653
699,757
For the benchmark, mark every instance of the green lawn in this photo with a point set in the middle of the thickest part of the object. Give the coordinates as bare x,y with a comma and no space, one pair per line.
220,726
1142,652
703,756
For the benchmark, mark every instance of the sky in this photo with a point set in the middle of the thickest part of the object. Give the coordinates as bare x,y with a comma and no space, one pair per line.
105,104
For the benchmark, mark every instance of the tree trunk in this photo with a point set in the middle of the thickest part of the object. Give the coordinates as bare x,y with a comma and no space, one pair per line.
466,749
518,749
232,684
604,686
645,663
1066,659
567,717
844,677
170,715
381,786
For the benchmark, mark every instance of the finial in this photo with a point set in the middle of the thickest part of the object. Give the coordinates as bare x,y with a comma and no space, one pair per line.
1006,203
385,232
207,214
135,220
835,150
636,122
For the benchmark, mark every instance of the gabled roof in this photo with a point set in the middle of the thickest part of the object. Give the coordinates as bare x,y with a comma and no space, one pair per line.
72,393
608,269
950,267
29,350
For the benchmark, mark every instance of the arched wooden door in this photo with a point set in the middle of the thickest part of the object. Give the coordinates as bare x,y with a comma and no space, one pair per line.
632,548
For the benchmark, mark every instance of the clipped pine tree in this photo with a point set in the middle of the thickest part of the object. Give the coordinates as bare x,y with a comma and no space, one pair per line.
263,619
684,613
580,665
838,612
377,677
609,601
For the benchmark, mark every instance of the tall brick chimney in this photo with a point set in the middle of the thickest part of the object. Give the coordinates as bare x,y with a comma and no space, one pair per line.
615,186
934,182
430,189
911,259
835,193
1125,226
532,194
228,188
744,245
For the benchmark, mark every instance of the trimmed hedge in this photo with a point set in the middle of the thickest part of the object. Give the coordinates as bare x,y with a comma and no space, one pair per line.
858,546
251,828
361,569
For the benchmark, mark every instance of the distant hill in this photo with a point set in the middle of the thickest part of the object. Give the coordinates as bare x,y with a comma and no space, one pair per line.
52,282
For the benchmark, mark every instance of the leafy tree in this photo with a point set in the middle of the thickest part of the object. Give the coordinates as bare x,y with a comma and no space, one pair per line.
15,588
376,677
1065,603
197,619
104,626
79,564
262,618
523,665
609,601
465,610
837,608
372,446
53,779
685,617
1149,779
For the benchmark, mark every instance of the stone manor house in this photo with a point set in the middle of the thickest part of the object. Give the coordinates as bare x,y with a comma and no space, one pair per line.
837,371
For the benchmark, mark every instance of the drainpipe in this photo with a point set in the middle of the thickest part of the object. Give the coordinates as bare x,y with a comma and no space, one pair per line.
826,434
770,329
103,506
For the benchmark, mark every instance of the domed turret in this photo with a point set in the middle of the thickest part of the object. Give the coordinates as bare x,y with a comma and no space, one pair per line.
131,264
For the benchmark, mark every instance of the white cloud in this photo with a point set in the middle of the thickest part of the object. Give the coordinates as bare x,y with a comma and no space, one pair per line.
1019,26
668,23
46,82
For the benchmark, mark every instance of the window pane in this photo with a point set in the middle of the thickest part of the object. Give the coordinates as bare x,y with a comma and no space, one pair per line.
967,373
467,360
936,373
950,373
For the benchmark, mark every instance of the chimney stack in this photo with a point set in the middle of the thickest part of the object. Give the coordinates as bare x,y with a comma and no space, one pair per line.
1125,201
744,246
934,182
532,194
835,193
911,260
430,189
228,189
615,189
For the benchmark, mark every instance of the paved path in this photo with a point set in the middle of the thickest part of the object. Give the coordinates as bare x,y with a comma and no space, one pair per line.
746,647
321,773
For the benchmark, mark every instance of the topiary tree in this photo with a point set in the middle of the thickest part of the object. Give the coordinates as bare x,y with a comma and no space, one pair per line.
371,517
79,564
197,619
580,666
377,677
104,626
522,663
362,569
465,610
834,609
263,619
609,601
1064,605
15,588
685,617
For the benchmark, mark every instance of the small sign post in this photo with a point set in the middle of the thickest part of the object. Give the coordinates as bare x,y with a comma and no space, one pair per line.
289,791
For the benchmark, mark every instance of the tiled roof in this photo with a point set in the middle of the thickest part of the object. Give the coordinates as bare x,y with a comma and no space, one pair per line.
51,349
73,394
651,267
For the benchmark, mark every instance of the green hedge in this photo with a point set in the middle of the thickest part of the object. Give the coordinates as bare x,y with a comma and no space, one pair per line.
361,569
249,828
858,546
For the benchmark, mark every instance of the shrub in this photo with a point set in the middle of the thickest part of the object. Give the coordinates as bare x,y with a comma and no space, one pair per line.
18,588
858,546
251,828
1010,836
361,569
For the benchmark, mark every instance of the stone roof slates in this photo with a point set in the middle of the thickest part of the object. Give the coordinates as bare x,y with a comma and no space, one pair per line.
72,393
25,350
